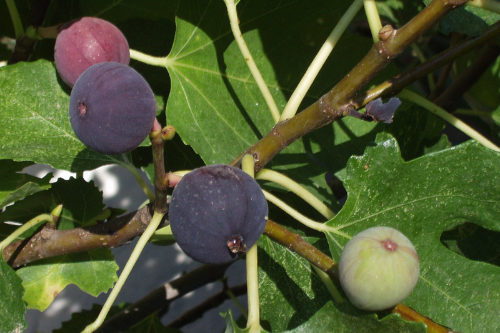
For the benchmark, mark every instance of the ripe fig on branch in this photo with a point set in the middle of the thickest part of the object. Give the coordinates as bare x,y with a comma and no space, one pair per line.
112,108
87,41
217,213
378,268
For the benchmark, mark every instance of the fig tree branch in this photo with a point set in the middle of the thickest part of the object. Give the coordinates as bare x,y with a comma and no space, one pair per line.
336,103
50,242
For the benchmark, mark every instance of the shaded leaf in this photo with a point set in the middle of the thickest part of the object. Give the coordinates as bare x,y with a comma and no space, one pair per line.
12,307
92,271
15,186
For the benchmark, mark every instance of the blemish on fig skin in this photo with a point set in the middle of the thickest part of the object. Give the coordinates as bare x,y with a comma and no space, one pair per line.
389,245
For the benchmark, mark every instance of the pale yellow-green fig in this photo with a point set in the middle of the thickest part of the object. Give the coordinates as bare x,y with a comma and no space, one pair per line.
379,267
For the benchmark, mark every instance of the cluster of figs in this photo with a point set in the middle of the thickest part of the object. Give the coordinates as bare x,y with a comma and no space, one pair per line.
217,212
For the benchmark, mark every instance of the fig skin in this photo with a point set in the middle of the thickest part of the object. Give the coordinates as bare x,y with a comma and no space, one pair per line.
217,212
112,108
87,41
378,268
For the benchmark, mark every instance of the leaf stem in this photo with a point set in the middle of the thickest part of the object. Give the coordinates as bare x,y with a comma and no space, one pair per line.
318,226
155,222
373,18
312,72
150,60
454,121
238,36
135,172
253,321
327,281
28,225
290,184
16,20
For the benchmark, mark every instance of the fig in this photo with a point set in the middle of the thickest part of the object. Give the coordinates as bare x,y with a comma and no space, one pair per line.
378,268
87,41
111,108
217,213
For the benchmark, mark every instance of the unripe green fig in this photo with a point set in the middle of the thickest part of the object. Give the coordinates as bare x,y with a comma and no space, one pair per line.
378,268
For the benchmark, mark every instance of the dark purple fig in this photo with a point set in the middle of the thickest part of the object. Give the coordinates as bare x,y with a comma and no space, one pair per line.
217,213
112,108
85,42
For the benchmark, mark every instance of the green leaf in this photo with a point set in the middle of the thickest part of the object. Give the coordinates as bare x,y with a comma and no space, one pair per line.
34,111
232,326
12,307
287,283
15,186
92,271
423,198
214,103
469,20
81,202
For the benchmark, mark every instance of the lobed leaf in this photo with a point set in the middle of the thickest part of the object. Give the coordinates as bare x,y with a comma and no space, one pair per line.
423,198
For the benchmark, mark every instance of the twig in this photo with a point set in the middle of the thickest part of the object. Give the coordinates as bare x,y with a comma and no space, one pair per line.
396,84
449,98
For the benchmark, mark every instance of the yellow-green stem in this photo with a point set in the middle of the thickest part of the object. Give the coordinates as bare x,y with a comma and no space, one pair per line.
373,18
150,60
238,36
276,177
155,222
25,227
253,321
454,121
318,62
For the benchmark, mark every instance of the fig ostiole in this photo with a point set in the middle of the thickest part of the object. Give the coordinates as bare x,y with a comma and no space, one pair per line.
378,268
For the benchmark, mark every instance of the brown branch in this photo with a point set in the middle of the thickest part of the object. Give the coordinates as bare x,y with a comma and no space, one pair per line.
159,299
336,103
50,242
160,181
298,245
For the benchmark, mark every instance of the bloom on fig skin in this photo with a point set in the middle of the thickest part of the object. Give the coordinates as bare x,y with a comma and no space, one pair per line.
378,268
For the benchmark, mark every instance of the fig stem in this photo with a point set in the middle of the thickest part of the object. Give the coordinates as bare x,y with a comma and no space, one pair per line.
290,184
373,18
160,180
319,60
318,226
454,121
253,321
247,55
141,243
